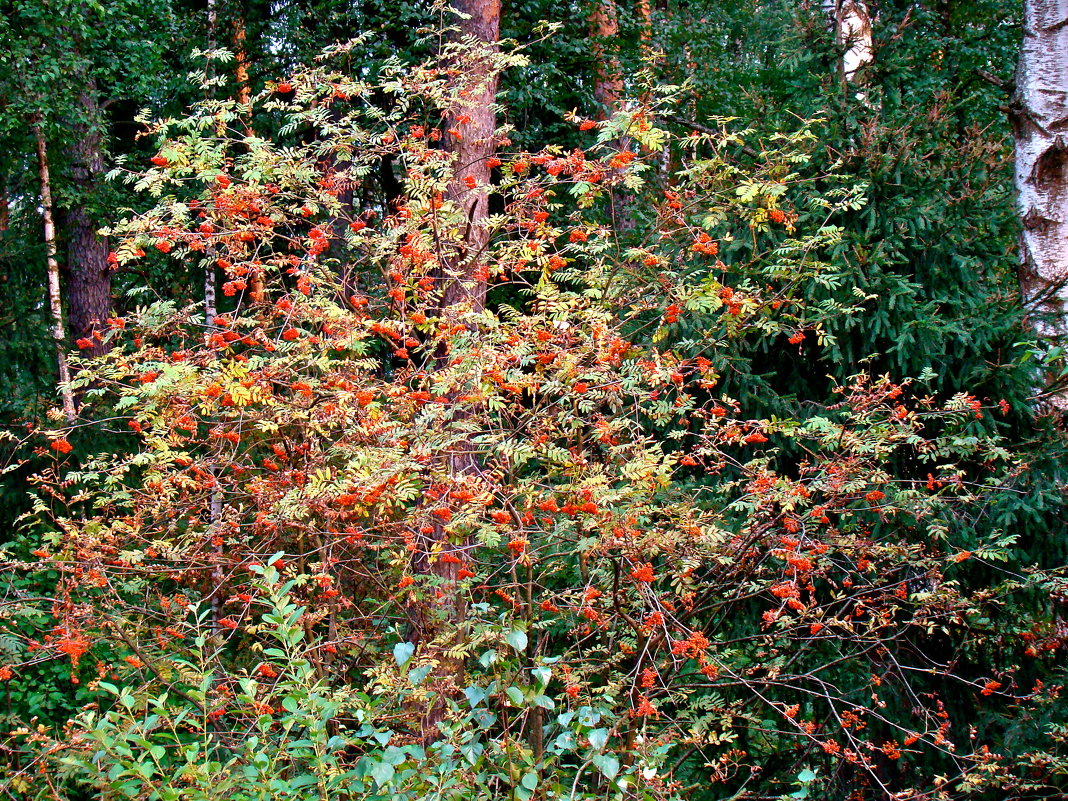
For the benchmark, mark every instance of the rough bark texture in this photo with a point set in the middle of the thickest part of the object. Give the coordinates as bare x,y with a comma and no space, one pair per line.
607,82
238,42
645,14
59,334
470,137
471,150
608,89
88,271
852,33
1040,120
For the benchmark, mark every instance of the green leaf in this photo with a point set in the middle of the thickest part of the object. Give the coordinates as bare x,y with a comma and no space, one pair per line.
417,675
517,638
598,738
382,773
402,652
544,701
542,675
475,695
608,764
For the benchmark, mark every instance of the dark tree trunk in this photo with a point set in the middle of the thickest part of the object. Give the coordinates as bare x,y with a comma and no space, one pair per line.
238,43
465,290
88,271
608,91
439,627
607,82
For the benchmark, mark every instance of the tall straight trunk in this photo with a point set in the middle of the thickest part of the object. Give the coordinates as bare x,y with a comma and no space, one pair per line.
239,44
88,271
608,91
607,82
59,334
213,19
238,38
238,41
645,13
1040,122
852,33
210,303
470,153
464,294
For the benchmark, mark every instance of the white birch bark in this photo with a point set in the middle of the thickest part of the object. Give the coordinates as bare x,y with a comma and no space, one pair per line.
852,33
1040,122
59,334
210,305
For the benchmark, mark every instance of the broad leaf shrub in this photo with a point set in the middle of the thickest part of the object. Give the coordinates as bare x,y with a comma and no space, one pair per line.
365,543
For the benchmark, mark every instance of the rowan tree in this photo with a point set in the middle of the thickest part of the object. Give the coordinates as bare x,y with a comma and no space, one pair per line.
453,501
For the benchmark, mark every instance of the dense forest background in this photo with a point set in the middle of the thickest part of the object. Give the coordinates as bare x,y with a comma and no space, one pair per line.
926,289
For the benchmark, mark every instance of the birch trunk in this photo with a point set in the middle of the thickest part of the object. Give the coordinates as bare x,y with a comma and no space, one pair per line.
59,334
210,305
852,34
1040,123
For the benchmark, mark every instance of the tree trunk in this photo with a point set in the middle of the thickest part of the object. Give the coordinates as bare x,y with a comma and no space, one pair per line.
464,290
238,41
1040,122
88,271
645,14
59,335
607,83
470,152
437,627
210,303
852,33
608,91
